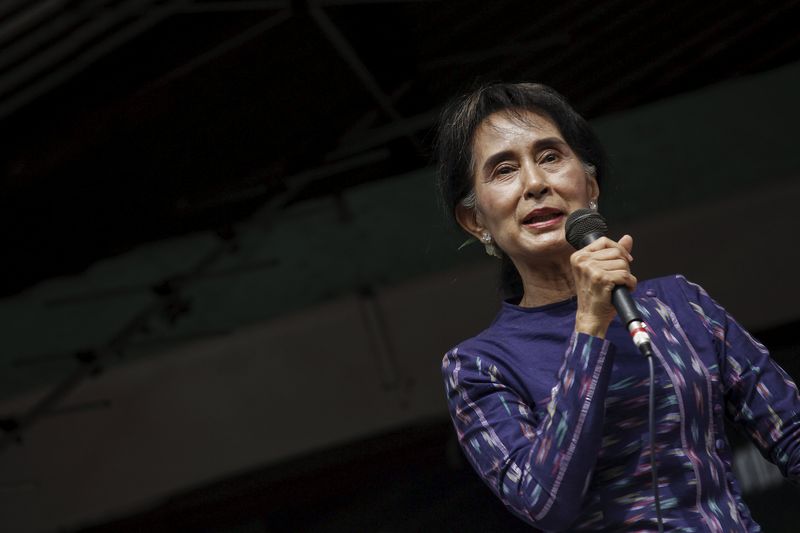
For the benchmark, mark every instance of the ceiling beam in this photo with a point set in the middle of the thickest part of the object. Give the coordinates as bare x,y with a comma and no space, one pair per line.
382,135
47,33
352,59
624,82
28,19
238,40
248,5
371,2
55,65
361,71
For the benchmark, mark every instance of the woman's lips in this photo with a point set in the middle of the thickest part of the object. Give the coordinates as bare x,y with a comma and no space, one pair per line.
545,220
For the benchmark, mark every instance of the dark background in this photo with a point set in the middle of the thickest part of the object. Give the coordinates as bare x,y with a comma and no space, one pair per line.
187,123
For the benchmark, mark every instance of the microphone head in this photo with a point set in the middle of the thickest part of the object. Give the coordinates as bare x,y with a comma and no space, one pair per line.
584,226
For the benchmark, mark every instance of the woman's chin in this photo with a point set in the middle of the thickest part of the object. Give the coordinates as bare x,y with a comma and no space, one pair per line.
544,251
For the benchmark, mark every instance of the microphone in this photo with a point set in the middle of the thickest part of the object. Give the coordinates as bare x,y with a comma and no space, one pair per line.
585,226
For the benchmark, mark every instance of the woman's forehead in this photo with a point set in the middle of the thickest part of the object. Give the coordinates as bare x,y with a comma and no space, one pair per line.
509,125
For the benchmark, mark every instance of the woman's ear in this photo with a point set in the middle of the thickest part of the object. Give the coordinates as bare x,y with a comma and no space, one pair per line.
593,186
467,218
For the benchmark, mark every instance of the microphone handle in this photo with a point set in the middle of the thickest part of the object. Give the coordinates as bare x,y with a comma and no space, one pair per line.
623,303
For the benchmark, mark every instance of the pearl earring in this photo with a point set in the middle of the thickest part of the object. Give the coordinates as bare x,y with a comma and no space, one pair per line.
593,205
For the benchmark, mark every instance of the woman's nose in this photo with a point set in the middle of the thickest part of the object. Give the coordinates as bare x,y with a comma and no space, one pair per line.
535,183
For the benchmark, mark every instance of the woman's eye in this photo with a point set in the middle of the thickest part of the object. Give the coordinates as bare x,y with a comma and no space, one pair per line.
504,170
550,157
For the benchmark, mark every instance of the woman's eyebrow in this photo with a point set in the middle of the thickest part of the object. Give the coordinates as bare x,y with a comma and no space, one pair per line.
494,159
549,142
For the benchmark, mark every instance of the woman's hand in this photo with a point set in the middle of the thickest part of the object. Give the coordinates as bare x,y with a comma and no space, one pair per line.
597,268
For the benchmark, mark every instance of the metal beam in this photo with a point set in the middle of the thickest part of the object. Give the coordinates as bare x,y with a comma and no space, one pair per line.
378,336
378,136
623,82
579,76
552,40
356,130
91,362
49,69
354,62
9,7
252,5
28,18
41,36
553,18
62,49
371,2
359,68
222,48
741,28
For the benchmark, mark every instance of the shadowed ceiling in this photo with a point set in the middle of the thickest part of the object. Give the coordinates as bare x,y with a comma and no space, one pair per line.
130,121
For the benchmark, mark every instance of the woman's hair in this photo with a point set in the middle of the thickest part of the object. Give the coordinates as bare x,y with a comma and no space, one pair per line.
454,146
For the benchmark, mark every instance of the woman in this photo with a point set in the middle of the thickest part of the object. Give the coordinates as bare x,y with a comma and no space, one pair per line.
550,402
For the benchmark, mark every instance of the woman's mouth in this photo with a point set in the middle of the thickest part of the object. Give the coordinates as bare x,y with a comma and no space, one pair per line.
543,218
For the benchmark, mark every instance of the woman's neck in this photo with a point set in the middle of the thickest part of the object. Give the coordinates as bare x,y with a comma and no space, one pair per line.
546,283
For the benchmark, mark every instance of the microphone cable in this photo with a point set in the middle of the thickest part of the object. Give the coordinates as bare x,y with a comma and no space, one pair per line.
648,352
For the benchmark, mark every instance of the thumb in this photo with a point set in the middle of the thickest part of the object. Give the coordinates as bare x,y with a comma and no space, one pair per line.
627,242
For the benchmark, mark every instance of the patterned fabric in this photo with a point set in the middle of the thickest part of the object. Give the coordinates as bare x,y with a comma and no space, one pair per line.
555,422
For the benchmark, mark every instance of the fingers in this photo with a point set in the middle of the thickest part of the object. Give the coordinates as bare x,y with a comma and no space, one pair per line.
608,254
602,265
602,276
605,248
604,256
625,245
627,279
627,242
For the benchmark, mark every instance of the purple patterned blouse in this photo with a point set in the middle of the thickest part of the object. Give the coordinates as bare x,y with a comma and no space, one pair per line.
555,422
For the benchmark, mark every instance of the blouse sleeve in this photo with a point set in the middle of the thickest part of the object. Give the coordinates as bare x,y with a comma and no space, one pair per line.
538,463
760,397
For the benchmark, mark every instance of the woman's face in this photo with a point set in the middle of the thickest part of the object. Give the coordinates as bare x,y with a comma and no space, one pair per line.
527,181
